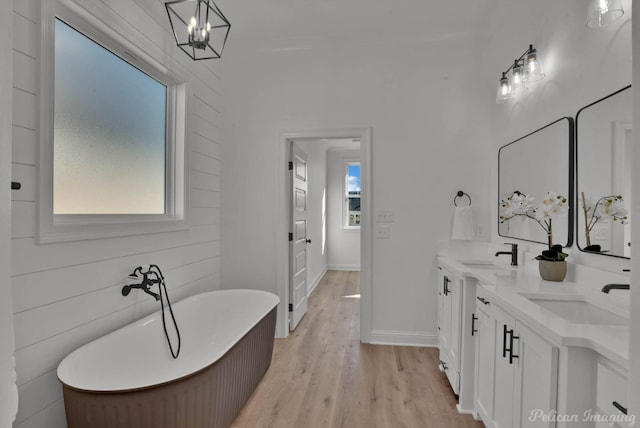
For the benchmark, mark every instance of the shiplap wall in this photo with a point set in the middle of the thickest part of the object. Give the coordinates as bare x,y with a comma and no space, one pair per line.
66,294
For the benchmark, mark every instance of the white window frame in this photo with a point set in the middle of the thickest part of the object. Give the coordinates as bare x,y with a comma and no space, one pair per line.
71,227
345,194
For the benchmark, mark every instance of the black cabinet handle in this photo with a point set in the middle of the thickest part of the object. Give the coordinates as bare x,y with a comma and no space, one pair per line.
504,341
511,356
473,324
444,365
620,407
308,241
446,285
483,300
16,185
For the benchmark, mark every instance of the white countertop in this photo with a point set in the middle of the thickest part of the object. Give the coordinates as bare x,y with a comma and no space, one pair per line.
512,285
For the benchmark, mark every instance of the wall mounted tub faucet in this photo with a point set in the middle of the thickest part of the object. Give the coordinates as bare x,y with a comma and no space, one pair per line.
610,287
513,253
145,282
143,274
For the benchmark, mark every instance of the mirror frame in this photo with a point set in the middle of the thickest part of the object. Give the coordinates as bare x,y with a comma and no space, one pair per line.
576,201
570,180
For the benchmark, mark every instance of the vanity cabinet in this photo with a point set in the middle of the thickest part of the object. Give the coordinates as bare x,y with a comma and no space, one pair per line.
516,373
449,320
612,394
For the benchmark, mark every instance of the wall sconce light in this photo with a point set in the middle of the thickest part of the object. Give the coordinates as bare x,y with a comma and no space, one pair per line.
199,27
603,12
525,69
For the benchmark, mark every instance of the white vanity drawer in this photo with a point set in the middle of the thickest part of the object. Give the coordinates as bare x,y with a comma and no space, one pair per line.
450,370
483,298
612,387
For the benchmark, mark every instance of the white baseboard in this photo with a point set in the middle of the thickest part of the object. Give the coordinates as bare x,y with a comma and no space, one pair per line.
344,267
465,412
404,338
313,284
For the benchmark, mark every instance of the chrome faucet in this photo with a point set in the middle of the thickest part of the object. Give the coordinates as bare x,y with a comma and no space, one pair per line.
513,253
610,287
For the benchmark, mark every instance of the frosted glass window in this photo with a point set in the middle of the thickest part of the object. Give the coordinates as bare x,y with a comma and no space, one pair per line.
110,131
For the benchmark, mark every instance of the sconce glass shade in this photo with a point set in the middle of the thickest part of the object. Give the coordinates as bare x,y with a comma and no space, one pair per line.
199,27
504,90
517,78
533,70
603,12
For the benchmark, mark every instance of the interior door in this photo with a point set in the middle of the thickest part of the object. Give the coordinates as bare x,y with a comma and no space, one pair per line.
298,239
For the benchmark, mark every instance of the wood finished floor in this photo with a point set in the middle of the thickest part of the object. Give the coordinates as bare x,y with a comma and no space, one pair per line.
322,376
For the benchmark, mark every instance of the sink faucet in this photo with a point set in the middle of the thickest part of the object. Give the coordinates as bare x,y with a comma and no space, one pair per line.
610,287
513,253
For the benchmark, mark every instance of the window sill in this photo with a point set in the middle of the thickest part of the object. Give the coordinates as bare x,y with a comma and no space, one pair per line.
88,231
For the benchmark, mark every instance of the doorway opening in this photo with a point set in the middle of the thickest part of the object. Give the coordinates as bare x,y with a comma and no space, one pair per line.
306,234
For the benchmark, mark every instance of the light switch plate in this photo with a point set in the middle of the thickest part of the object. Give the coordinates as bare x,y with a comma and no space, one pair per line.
383,231
385,216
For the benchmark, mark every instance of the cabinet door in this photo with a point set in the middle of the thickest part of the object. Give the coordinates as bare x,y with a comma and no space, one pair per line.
503,400
485,345
454,295
613,385
536,381
445,311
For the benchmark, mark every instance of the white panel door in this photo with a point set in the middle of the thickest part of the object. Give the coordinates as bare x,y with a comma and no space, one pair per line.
299,240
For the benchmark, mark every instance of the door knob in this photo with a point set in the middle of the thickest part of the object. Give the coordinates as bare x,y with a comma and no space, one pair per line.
308,241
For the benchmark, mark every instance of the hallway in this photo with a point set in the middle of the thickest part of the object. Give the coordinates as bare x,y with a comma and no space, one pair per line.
322,376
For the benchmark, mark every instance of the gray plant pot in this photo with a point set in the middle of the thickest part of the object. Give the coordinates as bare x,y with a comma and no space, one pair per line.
552,271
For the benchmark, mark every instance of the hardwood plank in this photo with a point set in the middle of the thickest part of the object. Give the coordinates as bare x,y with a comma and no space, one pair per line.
322,376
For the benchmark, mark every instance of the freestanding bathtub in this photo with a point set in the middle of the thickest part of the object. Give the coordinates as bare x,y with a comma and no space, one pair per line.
129,379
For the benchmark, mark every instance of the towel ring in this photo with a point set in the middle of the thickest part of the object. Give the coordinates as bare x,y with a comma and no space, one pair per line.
459,195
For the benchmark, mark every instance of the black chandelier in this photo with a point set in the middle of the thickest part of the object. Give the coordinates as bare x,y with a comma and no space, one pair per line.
199,27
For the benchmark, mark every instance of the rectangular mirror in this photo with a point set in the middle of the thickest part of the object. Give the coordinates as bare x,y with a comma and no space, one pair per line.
528,168
603,170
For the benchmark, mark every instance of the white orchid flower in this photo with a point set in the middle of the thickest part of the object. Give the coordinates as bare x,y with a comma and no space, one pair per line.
518,204
612,207
553,205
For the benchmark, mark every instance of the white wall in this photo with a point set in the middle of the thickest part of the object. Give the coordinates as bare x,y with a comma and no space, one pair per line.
426,141
343,244
8,392
317,213
67,294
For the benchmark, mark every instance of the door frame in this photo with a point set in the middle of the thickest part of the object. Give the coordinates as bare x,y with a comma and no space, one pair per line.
8,388
366,224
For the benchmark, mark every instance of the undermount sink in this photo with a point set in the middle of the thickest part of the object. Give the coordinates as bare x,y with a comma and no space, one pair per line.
483,264
580,311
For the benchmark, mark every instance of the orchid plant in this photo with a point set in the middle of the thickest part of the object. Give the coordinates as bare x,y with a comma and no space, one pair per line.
552,205
611,206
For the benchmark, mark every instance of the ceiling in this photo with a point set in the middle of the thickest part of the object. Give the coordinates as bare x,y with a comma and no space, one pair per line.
280,24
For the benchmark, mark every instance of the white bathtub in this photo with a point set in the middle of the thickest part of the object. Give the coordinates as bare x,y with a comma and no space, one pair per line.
136,358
